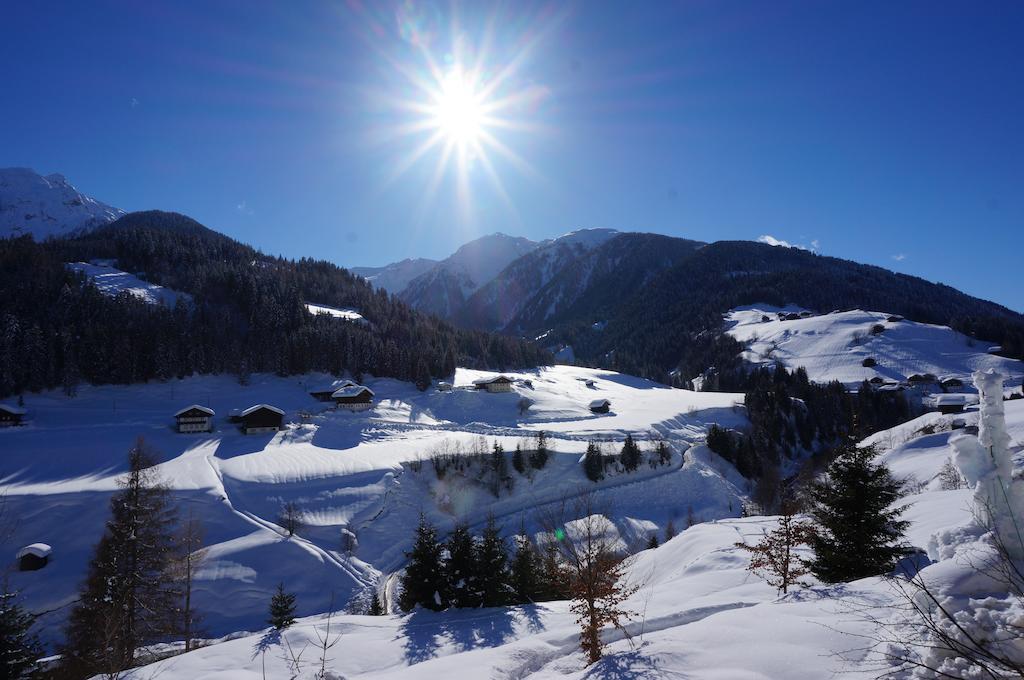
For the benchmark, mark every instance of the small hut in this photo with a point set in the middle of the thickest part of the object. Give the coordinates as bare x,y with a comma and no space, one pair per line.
499,383
11,415
326,392
951,383
33,557
353,398
950,403
195,418
600,406
444,387
261,418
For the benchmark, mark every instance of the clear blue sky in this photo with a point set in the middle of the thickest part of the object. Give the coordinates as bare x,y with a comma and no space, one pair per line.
884,132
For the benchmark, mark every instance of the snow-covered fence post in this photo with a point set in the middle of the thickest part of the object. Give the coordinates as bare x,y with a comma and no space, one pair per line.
986,464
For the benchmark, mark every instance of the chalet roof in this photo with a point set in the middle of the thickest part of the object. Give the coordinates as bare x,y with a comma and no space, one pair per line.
951,400
598,403
495,379
14,410
257,407
352,391
36,549
950,378
207,411
323,389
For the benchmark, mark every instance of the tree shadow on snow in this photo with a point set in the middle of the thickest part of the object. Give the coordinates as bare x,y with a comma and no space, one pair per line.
474,628
420,631
271,638
632,665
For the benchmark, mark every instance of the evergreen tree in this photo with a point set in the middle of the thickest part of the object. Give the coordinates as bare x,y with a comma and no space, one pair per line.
424,581
282,608
128,599
526,571
492,575
663,453
630,455
518,463
858,533
593,463
19,647
376,607
460,569
499,471
539,457
652,542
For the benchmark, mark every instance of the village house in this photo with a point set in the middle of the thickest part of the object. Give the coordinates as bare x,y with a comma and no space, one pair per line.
500,383
195,418
600,406
326,392
261,418
33,557
950,403
353,398
951,383
11,415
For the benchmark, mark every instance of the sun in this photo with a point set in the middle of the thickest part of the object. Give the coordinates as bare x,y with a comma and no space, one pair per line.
459,109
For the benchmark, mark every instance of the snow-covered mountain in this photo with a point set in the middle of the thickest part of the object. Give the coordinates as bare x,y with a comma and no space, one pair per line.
46,206
396,276
496,303
444,288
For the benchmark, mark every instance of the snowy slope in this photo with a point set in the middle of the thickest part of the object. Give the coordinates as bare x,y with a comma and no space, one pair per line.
47,206
443,289
346,470
833,346
396,276
113,282
699,614
347,313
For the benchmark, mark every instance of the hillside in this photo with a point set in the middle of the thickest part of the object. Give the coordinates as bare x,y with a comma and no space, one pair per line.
239,312
698,612
356,472
835,346
47,206
663,325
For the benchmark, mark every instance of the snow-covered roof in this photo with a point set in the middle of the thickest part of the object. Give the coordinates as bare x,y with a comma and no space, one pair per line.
352,391
488,381
36,549
333,388
15,410
598,403
207,411
950,399
257,407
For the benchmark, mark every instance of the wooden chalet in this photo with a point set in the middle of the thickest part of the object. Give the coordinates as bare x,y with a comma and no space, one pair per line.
261,418
353,398
500,383
195,418
326,392
950,403
33,557
11,415
951,383
921,379
600,406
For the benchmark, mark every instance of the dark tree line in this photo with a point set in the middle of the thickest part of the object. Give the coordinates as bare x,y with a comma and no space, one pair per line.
790,415
466,571
246,314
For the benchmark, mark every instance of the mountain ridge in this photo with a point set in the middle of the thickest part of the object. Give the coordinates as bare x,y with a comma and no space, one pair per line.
47,205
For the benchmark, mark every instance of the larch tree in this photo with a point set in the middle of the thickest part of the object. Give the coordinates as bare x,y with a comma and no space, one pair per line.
129,598
775,556
594,571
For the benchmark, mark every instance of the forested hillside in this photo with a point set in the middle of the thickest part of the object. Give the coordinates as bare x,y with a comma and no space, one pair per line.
247,314
674,322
